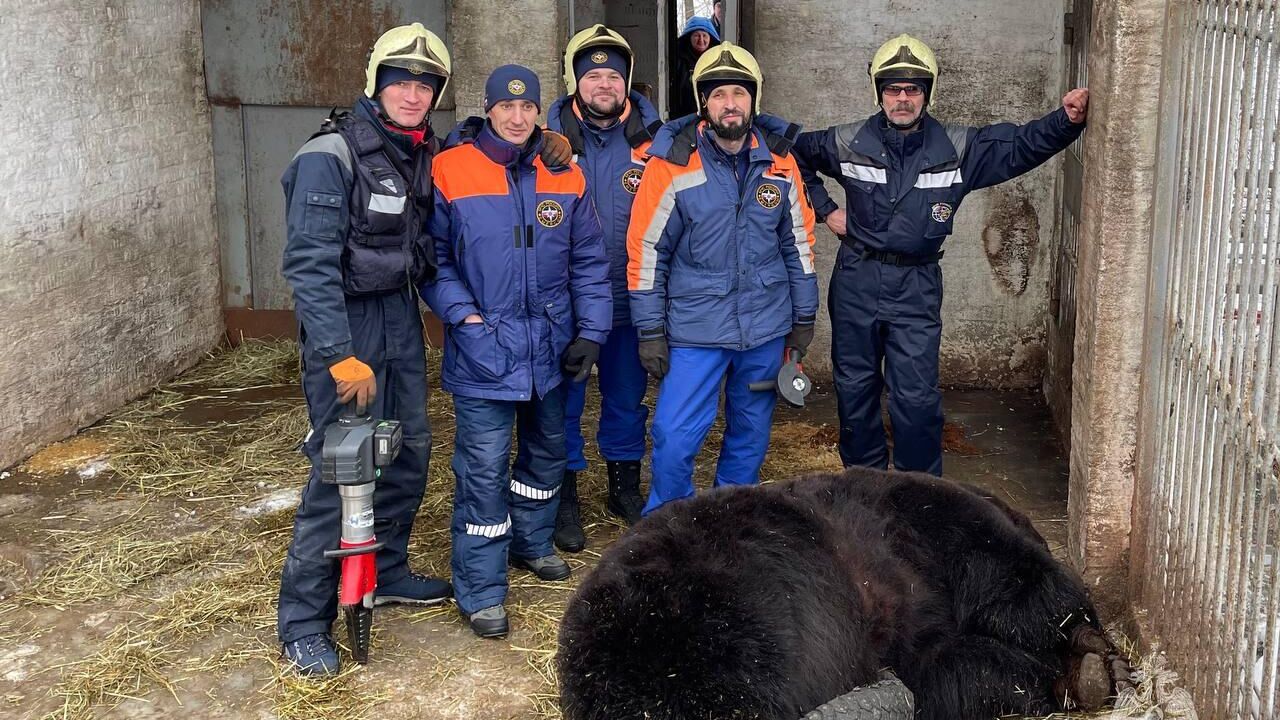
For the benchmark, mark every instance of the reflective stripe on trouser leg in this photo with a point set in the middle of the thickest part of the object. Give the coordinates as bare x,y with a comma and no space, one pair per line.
857,349
535,480
687,402
575,402
481,521
911,369
623,382
748,414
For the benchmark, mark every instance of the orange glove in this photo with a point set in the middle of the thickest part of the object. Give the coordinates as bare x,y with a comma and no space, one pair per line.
556,151
355,380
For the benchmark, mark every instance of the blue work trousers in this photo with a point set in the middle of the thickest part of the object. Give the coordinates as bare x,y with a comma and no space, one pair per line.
687,404
386,335
622,381
496,511
886,326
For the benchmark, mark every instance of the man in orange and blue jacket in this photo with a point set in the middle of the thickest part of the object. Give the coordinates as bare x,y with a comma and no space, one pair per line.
523,291
721,273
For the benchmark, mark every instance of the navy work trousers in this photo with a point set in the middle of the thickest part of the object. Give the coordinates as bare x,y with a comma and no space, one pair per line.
886,327
386,335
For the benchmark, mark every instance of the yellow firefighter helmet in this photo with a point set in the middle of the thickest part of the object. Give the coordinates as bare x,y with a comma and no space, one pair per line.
727,61
595,36
903,58
414,48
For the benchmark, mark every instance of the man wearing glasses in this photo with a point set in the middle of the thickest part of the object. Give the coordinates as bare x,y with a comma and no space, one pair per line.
904,175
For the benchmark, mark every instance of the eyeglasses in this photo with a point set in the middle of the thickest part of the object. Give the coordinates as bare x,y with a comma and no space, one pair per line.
908,90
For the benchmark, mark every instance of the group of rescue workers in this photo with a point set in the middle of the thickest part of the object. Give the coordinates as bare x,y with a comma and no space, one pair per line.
607,240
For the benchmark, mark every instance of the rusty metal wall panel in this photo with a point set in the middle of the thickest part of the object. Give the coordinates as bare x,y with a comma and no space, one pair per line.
1206,552
273,70
301,52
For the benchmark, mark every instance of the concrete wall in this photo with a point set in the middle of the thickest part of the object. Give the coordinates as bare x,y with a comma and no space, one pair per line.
1000,61
534,37
1125,56
108,253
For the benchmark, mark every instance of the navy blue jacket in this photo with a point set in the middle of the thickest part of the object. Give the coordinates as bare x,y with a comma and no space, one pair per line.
520,246
317,188
902,191
613,167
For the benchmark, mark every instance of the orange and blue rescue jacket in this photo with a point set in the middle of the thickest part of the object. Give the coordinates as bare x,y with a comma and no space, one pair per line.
520,246
712,261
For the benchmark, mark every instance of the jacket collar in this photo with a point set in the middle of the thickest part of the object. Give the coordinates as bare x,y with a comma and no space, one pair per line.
401,144
759,151
936,147
505,153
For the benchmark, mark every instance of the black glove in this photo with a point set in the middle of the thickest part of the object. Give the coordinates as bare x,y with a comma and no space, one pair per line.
799,338
654,356
578,358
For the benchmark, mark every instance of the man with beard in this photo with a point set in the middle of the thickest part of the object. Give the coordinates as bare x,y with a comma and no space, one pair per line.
904,175
721,274
609,131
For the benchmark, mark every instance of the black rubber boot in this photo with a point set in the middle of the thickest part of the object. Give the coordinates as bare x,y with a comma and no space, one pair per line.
624,490
569,536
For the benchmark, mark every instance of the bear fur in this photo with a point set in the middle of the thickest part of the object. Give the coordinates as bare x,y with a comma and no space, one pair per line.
766,602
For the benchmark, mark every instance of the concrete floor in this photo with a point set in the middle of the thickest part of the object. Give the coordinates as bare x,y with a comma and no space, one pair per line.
1006,443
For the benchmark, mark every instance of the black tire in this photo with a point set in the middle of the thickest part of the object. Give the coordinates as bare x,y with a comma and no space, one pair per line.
887,699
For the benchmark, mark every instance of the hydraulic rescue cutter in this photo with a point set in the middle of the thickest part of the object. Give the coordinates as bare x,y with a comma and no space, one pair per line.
356,448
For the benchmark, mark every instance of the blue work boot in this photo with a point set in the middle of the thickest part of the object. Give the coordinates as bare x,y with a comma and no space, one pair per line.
547,567
490,622
413,589
313,655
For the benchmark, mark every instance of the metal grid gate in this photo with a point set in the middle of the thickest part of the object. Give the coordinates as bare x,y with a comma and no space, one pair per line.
1207,551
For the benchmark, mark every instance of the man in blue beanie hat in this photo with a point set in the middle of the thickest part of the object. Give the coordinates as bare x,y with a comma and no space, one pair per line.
520,308
610,131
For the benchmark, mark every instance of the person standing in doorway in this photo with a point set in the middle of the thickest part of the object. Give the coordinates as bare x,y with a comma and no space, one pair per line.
698,36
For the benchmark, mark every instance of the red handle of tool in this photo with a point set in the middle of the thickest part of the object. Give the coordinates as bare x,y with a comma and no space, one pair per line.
359,574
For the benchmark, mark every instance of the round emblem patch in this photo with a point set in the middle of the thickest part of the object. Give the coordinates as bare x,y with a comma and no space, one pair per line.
631,180
599,57
417,68
515,87
549,213
940,212
768,195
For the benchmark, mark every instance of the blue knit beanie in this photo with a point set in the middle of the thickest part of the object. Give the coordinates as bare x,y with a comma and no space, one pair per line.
512,82
388,74
613,58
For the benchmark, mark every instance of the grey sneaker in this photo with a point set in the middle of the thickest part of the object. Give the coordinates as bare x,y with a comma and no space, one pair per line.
547,567
491,622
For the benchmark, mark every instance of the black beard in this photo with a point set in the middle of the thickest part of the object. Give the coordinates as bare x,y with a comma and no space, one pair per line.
731,132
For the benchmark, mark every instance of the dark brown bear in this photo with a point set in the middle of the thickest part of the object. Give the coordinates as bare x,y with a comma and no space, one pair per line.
766,602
